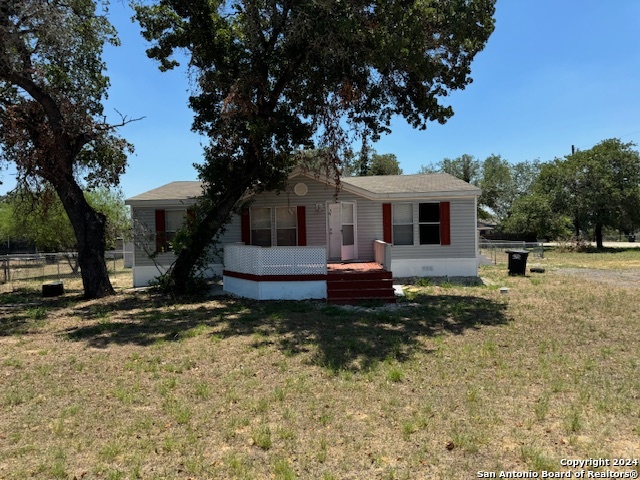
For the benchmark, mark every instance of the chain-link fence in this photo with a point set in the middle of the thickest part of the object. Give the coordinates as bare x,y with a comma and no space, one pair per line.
30,271
495,250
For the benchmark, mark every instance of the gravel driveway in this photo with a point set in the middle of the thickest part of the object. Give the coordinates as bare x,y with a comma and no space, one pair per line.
620,278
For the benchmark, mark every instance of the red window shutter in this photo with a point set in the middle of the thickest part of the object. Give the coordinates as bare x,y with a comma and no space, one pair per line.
302,226
161,233
445,223
245,226
386,223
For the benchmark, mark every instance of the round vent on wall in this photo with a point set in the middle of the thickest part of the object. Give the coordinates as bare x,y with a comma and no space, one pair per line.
301,189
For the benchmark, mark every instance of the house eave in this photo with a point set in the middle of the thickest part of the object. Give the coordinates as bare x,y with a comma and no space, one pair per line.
343,185
419,195
470,193
161,203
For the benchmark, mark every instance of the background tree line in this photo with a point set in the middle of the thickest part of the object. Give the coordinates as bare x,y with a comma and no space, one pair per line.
39,220
580,195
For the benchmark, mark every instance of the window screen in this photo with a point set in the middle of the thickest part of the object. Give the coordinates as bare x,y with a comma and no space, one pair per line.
261,226
174,220
403,224
286,224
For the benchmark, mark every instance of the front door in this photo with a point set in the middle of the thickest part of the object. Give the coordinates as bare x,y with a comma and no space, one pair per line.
341,224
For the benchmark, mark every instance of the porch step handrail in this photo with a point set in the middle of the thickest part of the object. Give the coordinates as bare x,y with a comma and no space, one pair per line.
382,254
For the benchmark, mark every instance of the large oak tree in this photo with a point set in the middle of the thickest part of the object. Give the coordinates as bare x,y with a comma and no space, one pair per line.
51,117
274,76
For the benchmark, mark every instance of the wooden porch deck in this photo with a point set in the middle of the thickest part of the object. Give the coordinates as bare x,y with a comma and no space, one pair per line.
354,267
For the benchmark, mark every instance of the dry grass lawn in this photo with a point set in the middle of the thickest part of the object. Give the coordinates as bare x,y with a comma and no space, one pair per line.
451,381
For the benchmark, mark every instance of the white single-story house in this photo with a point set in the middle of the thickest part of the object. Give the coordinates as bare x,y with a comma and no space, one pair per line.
286,244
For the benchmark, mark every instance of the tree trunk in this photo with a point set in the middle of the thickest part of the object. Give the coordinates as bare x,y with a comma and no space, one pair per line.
205,230
89,227
599,245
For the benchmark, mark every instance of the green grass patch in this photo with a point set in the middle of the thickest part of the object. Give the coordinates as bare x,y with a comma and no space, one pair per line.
458,378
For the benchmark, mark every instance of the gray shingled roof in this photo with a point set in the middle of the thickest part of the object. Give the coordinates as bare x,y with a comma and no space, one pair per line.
374,186
172,191
420,183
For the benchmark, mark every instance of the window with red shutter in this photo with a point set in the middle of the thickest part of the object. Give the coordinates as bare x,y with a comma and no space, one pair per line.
302,226
445,223
161,234
387,227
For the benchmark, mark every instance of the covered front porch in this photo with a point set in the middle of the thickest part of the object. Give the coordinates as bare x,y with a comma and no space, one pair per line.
299,273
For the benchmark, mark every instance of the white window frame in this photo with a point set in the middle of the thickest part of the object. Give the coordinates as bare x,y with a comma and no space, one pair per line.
169,235
251,229
275,224
393,224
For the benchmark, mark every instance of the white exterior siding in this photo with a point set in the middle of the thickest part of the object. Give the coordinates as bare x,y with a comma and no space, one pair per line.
463,234
317,194
145,218
458,258
369,221
368,213
144,226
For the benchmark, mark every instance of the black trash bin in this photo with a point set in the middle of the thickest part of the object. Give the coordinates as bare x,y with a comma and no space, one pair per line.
517,261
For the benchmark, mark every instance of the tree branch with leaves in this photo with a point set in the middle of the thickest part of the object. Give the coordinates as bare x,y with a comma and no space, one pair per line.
277,76
51,116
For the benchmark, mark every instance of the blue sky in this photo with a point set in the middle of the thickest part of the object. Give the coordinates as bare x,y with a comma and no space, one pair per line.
555,73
